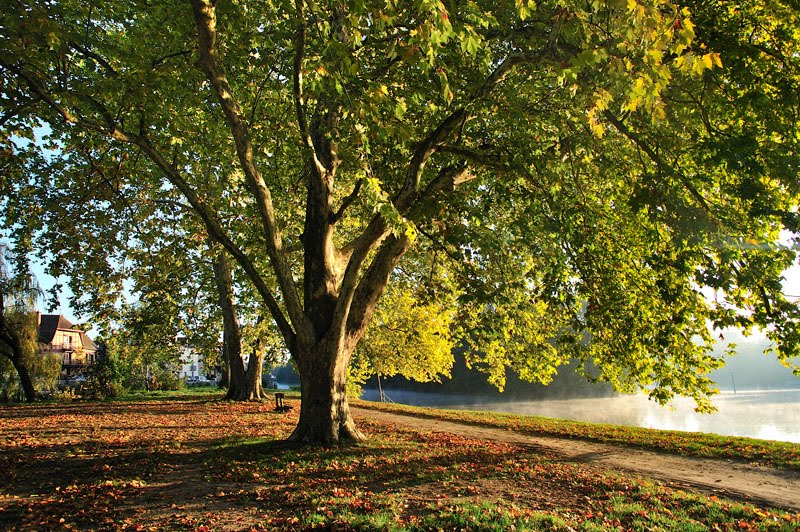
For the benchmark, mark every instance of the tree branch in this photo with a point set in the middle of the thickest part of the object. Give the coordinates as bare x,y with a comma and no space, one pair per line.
173,203
36,87
214,229
95,57
432,143
17,109
375,233
157,62
426,148
486,160
347,202
297,85
257,98
173,176
457,259
365,296
205,20
447,180
620,126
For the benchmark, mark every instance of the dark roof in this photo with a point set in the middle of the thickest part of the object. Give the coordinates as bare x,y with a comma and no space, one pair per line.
50,323
88,343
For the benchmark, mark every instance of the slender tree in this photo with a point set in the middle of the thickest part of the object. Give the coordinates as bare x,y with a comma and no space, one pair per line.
236,378
18,295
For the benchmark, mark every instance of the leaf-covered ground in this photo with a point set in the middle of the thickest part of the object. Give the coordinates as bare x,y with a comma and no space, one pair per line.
201,464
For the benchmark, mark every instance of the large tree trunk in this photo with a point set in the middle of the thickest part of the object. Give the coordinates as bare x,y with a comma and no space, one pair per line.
324,412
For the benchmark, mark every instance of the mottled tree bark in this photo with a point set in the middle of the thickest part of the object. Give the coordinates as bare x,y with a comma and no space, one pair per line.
324,411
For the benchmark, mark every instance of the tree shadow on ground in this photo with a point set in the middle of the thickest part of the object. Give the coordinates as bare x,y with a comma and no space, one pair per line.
101,483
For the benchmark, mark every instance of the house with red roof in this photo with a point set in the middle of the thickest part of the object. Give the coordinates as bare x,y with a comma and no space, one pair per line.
56,334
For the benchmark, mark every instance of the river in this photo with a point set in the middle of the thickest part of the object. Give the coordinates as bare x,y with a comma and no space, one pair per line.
763,414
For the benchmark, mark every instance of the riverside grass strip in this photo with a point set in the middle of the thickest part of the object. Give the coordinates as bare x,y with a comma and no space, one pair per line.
781,455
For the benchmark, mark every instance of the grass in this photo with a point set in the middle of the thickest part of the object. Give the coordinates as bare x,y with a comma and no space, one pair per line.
190,392
782,455
187,392
197,464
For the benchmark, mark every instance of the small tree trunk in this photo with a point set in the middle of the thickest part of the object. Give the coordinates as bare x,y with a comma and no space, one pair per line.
324,412
225,374
24,377
231,335
253,388
15,354
237,377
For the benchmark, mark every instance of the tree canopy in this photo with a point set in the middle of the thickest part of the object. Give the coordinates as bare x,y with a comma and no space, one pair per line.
604,178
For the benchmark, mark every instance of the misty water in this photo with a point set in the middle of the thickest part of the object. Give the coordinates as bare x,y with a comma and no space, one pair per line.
763,414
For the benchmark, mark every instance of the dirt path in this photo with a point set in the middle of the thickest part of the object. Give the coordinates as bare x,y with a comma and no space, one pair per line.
763,485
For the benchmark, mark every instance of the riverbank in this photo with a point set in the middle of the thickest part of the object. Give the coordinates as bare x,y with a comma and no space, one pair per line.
205,464
781,455
740,479
767,414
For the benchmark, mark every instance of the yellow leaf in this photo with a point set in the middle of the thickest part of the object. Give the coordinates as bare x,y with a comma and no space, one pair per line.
659,113
656,56
708,61
631,105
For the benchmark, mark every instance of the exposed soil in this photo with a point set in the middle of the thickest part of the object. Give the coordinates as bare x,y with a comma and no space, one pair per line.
763,485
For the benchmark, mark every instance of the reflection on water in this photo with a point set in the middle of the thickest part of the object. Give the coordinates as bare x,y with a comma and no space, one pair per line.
764,414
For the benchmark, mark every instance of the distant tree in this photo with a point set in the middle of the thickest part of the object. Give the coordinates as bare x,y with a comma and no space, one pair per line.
18,327
414,330
146,346
286,374
235,374
567,383
263,344
104,377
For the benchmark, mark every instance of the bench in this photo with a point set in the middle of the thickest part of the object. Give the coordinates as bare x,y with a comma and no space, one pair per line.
280,406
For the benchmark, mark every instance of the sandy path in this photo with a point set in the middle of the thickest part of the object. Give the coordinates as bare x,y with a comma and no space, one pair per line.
761,485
